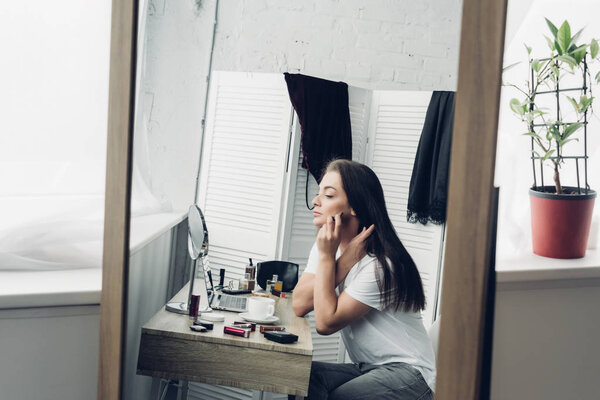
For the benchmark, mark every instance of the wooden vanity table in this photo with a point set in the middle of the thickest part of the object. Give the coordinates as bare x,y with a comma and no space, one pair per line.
169,349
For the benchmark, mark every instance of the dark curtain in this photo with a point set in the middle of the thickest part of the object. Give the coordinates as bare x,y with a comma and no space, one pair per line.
322,108
428,191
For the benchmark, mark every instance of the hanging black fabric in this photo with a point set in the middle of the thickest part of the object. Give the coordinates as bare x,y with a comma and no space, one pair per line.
322,108
428,191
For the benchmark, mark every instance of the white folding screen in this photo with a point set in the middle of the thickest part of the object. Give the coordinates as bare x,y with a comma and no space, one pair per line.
395,127
243,180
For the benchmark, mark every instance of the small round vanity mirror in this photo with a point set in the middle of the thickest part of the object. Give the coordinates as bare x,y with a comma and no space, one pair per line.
198,234
197,248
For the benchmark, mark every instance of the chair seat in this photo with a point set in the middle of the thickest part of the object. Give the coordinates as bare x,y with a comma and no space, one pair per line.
287,272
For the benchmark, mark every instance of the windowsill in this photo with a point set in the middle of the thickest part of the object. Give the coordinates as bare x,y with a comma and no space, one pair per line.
147,228
529,267
26,289
20,289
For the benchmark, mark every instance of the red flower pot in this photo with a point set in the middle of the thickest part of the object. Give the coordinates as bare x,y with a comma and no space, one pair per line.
560,223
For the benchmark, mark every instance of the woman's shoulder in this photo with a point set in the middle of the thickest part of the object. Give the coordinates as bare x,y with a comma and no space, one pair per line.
371,261
366,266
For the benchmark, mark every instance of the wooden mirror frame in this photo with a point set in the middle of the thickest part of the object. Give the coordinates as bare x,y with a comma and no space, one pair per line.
470,200
119,156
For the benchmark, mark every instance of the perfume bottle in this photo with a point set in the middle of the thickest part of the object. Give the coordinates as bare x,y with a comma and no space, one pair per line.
274,284
250,276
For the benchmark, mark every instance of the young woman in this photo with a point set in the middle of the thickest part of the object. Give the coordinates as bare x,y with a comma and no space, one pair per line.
379,297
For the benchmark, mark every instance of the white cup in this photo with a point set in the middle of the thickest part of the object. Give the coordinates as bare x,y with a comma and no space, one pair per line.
261,307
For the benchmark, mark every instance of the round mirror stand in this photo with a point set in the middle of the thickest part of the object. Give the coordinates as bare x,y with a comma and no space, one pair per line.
181,307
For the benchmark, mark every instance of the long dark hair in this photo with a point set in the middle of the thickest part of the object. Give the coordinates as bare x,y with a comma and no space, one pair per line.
399,280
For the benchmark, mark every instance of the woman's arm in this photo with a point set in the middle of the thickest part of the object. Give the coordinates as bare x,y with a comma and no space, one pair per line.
302,301
333,313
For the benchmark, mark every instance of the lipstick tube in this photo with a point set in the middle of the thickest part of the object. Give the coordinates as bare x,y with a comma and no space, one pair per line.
264,329
241,324
237,331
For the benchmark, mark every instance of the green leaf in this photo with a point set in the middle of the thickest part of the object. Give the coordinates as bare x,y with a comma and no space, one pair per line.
578,53
569,130
535,65
563,142
548,155
574,103
563,37
529,117
517,107
597,77
550,43
586,102
533,134
568,59
575,37
583,104
510,66
557,47
554,133
594,48
552,27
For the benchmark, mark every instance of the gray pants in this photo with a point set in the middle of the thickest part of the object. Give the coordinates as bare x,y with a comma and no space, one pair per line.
398,381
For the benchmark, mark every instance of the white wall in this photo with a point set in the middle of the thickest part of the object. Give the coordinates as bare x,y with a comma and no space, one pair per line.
376,44
546,340
49,352
173,86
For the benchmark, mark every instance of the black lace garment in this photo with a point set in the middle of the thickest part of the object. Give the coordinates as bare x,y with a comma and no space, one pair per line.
428,191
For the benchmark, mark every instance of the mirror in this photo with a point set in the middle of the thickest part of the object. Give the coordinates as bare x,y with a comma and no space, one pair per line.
422,67
198,234
197,243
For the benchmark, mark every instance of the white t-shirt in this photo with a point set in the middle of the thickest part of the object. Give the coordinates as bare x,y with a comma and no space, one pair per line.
381,336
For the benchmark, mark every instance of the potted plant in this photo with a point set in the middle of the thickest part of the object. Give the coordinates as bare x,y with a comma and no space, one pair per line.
560,215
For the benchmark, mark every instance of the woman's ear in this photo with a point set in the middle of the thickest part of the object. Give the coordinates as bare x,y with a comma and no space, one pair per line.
352,212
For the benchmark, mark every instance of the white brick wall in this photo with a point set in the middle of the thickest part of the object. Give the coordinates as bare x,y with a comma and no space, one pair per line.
166,147
377,44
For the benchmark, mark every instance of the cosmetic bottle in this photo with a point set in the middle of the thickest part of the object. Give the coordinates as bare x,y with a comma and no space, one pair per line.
194,306
274,284
250,276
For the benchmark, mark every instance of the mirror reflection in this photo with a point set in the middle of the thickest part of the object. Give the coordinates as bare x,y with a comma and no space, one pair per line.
219,126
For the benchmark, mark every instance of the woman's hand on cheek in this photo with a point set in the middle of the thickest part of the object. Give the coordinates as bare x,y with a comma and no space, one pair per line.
356,249
329,236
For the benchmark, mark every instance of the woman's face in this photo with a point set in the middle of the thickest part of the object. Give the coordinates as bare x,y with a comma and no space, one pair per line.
331,199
